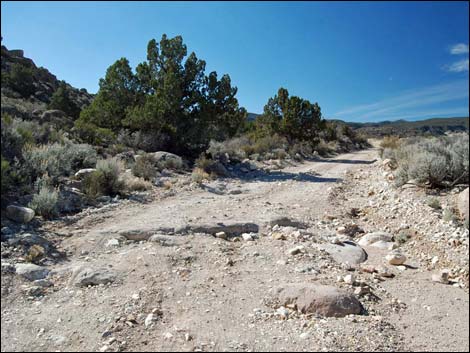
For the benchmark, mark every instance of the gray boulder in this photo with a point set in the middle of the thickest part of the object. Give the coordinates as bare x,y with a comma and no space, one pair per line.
31,272
319,299
19,214
168,160
86,276
346,252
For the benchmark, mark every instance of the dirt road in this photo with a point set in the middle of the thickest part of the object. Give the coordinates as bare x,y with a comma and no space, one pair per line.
212,294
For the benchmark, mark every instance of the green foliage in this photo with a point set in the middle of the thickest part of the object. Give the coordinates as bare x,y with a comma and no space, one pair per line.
448,215
292,117
434,202
144,167
93,134
19,78
105,180
44,203
61,100
56,160
439,161
6,180
168,96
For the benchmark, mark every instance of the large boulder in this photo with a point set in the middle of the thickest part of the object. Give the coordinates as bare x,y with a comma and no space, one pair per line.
168,160
462,204
346,252
19,214
319,299
31,272
86,276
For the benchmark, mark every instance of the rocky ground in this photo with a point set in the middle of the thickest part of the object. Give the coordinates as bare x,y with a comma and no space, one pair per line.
320,255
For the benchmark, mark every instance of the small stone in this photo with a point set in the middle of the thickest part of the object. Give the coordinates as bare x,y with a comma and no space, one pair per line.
361,291
283,313
221,235
112,243
149,320
349,279
247,237
395,258
278,236
441,277
296,250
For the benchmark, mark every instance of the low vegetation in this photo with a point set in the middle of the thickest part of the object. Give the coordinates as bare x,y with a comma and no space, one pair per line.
435,161
105,180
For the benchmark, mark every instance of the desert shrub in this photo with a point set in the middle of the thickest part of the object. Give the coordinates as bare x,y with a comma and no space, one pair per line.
235,148
56,159
269,143
448,215
203,163
105,180
6,180
61,100
136,184
19,78
303,149
170,163
44,203
439,161
389,143
434,202
144,167
326,149
142,140
199,175
93,134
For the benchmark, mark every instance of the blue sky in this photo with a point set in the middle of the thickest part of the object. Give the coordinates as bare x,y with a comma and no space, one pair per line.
361,61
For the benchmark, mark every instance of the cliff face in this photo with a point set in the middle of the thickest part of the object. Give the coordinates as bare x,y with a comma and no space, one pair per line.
26,87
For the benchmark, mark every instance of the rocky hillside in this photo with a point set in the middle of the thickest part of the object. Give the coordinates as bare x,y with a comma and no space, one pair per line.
26,87
403,128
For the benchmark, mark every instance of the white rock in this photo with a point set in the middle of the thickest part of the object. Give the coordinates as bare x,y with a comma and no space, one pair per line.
283,312
221,235
296,250
395,258
149,320
349,279
441,277
247,237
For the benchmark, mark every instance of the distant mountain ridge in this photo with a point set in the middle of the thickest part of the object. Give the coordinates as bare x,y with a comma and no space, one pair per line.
433,126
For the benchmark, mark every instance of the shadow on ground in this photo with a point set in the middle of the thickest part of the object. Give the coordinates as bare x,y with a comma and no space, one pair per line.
276,176
348,161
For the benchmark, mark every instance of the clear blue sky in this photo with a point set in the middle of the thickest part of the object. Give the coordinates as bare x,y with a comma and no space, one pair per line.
361,61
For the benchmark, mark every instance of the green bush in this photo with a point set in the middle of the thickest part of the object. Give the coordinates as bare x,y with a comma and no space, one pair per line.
171,163
19,78
6,181
57,160
61,100
434,202
448,215
105,180
144,167
440,162
44,203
